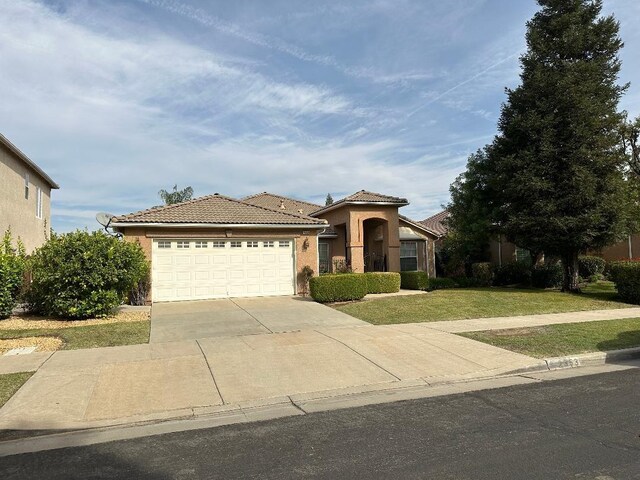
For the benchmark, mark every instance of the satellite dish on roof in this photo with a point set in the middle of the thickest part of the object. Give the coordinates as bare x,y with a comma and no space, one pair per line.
104,219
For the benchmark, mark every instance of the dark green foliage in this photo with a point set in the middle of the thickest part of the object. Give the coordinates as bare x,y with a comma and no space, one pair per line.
483,273
465,282
12,266
80,274
176,196
338,287
440,283
414,280
626,276
515,273
553,179
590,265
382,282
546,275
329,200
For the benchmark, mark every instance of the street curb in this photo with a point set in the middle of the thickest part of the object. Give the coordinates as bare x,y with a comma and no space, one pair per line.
592,359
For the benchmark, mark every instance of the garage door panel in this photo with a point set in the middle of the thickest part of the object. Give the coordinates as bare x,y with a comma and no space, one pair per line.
199,273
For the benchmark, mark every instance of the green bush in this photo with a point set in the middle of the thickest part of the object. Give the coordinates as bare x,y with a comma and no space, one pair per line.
463,282
441,283
80,274
626,276
483,273
546,276
515,273
338,287
414,280
383,282
12,266
589,265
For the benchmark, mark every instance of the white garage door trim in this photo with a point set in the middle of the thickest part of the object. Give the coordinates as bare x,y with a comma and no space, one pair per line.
200,269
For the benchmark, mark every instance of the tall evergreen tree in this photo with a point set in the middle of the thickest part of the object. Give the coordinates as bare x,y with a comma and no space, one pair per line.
329,200
557,178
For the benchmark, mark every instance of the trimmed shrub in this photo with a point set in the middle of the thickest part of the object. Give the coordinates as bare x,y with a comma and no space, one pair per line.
81,275
589,265
338,287
626,276
482,273
515,273
414,280
440,283
12,267
546,276
465,282
383,282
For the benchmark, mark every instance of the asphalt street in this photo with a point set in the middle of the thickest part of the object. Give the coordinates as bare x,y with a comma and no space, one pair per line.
580,428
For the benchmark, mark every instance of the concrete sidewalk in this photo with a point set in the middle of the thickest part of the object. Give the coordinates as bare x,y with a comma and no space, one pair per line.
116,385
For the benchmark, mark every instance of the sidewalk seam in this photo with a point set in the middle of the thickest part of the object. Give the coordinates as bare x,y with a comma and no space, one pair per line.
360,354
211,372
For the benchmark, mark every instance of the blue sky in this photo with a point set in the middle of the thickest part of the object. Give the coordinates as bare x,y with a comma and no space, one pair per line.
118,99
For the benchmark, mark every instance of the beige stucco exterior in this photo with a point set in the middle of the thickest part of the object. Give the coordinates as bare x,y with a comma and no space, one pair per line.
17,212
305,241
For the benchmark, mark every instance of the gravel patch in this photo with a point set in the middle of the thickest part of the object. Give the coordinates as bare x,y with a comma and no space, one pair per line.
42,344
28,322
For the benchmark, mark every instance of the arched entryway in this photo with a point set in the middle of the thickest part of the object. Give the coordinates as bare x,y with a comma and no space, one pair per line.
375,244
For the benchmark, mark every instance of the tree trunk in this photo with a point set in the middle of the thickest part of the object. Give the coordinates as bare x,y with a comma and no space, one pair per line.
570,270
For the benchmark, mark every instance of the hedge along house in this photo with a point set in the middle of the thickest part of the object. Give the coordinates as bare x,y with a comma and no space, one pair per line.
217,246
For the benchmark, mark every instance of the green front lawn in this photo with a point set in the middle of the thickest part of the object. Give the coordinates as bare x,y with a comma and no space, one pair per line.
89,336
565,339
458,304
10,383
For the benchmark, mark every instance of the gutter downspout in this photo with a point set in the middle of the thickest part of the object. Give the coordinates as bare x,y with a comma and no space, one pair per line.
630,249
500,250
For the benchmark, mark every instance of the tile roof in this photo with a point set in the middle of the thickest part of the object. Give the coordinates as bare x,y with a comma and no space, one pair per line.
276,202
418,225
364,196
436,223
216,209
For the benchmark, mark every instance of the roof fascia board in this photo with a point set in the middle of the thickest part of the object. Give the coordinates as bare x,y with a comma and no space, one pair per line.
219,225
355,202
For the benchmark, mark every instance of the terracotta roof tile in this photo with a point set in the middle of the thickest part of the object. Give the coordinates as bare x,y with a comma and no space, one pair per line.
216,209
436,223
276,202
365,196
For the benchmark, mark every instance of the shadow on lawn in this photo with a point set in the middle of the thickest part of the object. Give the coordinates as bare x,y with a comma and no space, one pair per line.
627,339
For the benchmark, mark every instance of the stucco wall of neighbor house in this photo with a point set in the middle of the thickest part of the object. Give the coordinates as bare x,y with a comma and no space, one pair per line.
305,255
353,217
620,250
17,212
508,252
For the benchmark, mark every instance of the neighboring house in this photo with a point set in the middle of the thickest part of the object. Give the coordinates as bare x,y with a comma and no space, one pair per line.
217,246
502,251
25,197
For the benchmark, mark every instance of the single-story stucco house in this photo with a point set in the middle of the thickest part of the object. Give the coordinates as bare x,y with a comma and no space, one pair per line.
217,246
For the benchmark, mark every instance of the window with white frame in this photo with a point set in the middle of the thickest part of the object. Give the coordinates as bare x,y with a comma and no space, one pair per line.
252,244
408,256
235,244
39,203
183,244
218,244
200,244
26,186
268,244
164,244
284,243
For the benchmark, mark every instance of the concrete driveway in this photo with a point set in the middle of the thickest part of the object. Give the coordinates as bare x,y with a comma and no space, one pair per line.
229,317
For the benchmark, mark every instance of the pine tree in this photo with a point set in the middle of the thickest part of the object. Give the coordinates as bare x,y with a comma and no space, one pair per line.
557,168
329,200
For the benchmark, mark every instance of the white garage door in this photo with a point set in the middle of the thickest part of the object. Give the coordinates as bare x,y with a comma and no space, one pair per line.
199,269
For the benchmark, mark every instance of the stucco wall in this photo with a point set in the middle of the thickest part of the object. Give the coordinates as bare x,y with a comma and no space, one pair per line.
304,255
17,212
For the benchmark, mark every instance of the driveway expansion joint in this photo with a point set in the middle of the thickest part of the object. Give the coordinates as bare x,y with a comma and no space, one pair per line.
249,313
211,372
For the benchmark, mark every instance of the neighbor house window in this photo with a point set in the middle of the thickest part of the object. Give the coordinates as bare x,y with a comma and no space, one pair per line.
268,244
218,244
235,244
39,203
252,244
323,257
523,255
182,244
164,244
408,256
284,243
202,244
26,186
